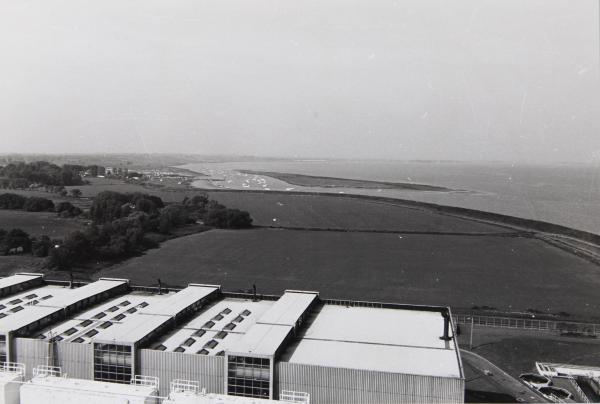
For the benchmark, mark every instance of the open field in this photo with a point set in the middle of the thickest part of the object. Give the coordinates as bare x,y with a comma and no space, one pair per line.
39,223
10,264
517,351
508,273
331,212
313,211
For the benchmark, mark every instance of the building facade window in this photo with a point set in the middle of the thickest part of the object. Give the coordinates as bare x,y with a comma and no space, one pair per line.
248,377
3,357
113,363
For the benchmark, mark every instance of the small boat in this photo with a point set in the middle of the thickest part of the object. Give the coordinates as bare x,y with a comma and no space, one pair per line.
534,380
555,394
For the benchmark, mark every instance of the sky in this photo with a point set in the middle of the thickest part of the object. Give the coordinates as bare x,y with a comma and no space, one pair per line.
510,80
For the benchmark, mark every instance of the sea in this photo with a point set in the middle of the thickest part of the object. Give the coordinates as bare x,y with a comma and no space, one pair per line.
565,194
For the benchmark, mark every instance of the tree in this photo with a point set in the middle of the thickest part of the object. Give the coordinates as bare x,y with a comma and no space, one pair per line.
76,193
172,216
37,204
12,201
66,209
16,238
223,218
41,247
107,206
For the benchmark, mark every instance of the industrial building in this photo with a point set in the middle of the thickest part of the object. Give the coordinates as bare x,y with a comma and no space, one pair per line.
244,345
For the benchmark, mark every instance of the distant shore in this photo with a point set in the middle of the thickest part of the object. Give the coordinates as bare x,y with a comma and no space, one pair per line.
333,182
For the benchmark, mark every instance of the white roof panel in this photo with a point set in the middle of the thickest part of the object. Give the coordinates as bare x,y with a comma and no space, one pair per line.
138,325
28,315
375,325
383,358
113,311
288,308
134,329
89,386
262,340
181,300
387,340
232,315
83,292
17,279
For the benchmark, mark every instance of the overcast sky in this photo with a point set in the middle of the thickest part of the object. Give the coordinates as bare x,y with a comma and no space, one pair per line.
512,80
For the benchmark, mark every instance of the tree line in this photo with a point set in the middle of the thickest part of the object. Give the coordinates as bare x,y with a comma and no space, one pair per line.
123,224
39,173
38,204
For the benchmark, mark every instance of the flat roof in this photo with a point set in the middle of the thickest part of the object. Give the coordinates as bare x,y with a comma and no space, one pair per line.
288,308
18,279
217,328
115,311
7,377
383,358
211,398
379,339
83,292
181,300
35,304
146,320
23,308
262,340
133,330
89,386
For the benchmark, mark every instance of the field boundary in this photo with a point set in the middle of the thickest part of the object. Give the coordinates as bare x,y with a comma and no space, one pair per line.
434,233
553,326
497,219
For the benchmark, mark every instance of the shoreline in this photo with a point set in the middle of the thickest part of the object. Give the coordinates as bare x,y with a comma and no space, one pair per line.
471,214
302,180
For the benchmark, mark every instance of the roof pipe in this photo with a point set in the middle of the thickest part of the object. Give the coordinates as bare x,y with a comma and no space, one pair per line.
446,336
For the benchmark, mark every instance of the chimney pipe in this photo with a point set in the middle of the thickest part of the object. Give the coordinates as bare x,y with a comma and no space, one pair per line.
254,299
70,280
159,287
446,336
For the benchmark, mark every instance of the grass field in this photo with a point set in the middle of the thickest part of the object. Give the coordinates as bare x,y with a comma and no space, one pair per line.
331,212
10,264
313,211
517,352
39,223
508,273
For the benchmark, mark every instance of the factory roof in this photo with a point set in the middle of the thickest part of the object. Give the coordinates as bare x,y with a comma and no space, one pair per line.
217,328
149,319
28,307
262,340
182,300
18,279
380,339
22,309
266,337
84,292
211,398
86,326
65,384
289,308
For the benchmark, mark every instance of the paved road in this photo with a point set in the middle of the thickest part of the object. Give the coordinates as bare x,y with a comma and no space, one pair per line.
497,381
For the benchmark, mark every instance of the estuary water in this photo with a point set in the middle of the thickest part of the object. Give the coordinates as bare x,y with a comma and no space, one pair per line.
565,194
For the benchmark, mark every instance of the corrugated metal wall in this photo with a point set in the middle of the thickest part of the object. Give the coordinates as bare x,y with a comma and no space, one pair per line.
337,385
31,352
76,360
208,370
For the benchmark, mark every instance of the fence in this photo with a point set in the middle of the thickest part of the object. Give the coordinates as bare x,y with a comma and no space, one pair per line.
589,329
